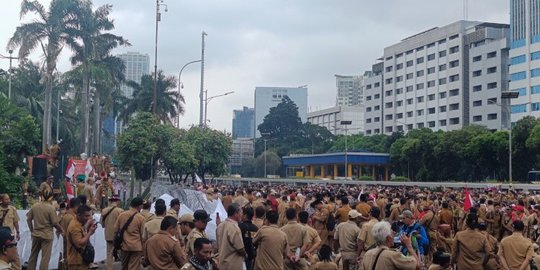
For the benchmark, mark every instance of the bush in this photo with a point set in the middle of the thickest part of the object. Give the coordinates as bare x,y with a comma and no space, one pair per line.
366,178
400,179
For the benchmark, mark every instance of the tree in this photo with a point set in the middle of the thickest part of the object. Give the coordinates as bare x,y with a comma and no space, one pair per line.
315,139
282,121
212,150
48,31
524,158
177,154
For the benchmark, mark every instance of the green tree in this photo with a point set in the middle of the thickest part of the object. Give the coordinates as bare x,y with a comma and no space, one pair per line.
523,157
282,121
315,139
177,154
212,150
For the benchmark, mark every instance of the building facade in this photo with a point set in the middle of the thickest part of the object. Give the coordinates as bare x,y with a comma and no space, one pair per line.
137,65
242,150
349,90
524,70
268,97
243,123
331,119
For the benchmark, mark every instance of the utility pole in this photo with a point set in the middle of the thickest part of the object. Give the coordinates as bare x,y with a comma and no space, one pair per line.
201,94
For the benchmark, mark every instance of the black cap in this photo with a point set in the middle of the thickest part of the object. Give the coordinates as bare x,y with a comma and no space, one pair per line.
175,202
201,215
6,239
137,201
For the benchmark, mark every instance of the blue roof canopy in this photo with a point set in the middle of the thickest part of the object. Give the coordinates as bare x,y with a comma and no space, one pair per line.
338,158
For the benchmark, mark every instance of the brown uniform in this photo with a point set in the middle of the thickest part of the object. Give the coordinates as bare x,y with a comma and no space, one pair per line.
272,248
366,236
88,191
515,249
229,240
108,224
325,266
259,222
226,201
44,187
132,244
190,239
64,223
75,233
148,216
363,208
171,212
469,249
44,218
10,218
342,214
152,227
297,237
347,234
493,220
319,224
388,259
163,251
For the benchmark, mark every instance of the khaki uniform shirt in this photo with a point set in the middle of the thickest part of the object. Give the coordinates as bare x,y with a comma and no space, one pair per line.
9,214
171,212
44,217
229,240
226,201
147,215
259,222
66,219
163,251
325,266
192,236
363,208
320,218
74,233
44,187
347,234
469,248
88,191
110,221
314,237
446,216
515,249
133,236
272,247
342,214
297,235
152,227
4,265
365,234
389,259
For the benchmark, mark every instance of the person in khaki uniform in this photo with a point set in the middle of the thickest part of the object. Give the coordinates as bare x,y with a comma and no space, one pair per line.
347,234
319,220
78,237
229,240
133,241
365,237
10,219
470,246
202,257
8,248
493,262
174,209
260,212
88,191
298,239
109,215
342,214
146,212
201,219
516,251
314,238
271,244
153,226
185,226
46,186
70,215
383,257
41,219
163,250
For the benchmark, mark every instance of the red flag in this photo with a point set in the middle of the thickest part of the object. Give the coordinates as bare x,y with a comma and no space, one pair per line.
69,190
468,201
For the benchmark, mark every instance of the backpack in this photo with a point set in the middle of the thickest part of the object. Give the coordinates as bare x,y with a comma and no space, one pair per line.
331,222
88,253
119,235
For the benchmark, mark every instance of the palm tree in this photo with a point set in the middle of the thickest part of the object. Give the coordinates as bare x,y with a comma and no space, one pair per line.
48,32
167,98
91,45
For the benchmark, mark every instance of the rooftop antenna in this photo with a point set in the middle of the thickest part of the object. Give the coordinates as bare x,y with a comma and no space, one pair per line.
466,9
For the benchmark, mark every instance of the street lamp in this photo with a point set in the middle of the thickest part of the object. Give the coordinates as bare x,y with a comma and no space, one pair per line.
158,19
265,139
346,123
207,99
180,86
202,81
11,58
508,95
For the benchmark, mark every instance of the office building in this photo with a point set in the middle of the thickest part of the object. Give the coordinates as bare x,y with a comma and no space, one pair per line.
426,80
242,150
331,119
137,65
349,90
524,69
268,97
243,123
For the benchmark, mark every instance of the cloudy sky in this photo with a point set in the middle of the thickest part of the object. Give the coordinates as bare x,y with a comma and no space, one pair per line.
269,42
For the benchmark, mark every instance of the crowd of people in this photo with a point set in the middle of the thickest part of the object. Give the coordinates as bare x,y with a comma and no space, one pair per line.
321,227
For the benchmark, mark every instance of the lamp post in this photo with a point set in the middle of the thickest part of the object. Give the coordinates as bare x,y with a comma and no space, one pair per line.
180,86
207,99
265,139
11,58
158,19
201,97
346,123
508,95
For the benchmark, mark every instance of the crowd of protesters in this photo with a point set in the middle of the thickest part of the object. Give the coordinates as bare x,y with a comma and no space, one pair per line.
288,227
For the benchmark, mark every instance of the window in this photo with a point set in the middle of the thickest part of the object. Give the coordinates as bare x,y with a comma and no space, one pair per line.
431,124
420,99
442,95
477,118
454,121
399,78
431,45
535,72
408,88
399,116
409,63
477,88
377,119
492,100
454,78
388,129
431,70
389,58
442,54
519,108
377,84
518,59
454,49
368,109
409,114
477,103
399,103
388,117
368,132
420,60
431,57
522,91
454,63
399,66
442,41
420,73
409,101
442,67
420,125
409,127
399,55
442,123
419,48
477,73
389,68
376,108
453,92
409,76
431,97
368,120
454,106
368,86
376,131
492,85
491,54
420,112
492,116
388,93
491,70
368,98
431,110
477,58
442,81
453,37
535,106
535,56
377,96
431,83
388,105
389,80
419,86
442,109
399,91
409,52
534,89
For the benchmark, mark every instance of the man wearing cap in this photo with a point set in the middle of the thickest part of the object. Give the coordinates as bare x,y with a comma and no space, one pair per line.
109,215
153,226
516,251
133,241
174,208
186,225
46,186
201,219
412,228
163,250
78,237
10,219
347,234
41,219
8,249
103,193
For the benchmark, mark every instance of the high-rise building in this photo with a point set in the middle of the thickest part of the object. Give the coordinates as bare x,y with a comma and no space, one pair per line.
349,90
425,80
524,70
242,150
137,65
268,97
331,119
243,123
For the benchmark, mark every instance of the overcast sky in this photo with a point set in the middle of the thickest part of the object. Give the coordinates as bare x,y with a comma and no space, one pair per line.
268,42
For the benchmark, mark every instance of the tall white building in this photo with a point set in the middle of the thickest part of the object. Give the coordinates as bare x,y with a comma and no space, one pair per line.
268,97
349,90
137,65
524,70
425,80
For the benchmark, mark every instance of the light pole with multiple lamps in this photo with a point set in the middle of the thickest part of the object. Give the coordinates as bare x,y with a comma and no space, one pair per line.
158,19
346,123
180,85
207,100
10,71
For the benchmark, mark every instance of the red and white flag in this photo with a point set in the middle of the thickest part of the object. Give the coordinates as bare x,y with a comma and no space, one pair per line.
468,203
69,190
